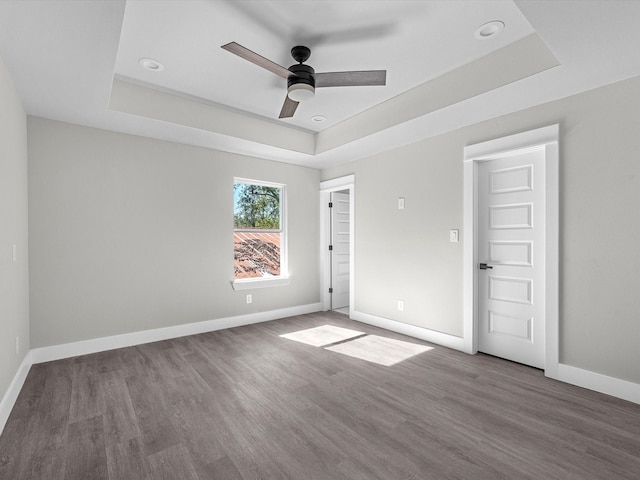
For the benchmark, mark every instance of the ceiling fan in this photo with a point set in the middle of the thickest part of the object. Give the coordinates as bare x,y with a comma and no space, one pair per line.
302,80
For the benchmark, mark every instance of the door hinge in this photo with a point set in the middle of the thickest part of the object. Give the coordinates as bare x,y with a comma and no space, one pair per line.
330,204
330,290
330,247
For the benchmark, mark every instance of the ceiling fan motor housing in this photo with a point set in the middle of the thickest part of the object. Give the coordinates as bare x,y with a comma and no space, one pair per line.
300,53
301,74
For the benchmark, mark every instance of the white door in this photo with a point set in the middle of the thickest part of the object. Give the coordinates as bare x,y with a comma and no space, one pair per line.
340,250
511,233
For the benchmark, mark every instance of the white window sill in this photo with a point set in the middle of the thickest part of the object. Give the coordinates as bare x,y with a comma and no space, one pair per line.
262,282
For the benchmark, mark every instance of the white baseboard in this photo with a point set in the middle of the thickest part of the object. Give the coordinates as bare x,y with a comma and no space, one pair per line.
439,338
600,383
10,397
57,352
565,373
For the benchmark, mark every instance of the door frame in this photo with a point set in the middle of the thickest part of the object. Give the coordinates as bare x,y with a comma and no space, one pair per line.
326,187
547,138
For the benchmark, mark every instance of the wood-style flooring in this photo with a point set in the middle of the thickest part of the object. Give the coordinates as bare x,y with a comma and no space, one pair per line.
246,404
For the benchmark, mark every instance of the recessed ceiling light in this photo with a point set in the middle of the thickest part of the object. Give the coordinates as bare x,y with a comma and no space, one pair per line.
318,118
489,30
151,64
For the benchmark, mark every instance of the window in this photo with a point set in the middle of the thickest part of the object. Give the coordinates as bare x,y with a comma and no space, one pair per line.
259,236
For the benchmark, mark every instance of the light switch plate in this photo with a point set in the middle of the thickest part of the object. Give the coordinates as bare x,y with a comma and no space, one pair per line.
454,236
401,203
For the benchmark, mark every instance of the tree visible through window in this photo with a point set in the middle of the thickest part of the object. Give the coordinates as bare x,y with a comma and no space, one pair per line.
257,239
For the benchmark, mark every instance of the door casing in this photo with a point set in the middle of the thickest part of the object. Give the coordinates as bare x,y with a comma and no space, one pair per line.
326,187
473,154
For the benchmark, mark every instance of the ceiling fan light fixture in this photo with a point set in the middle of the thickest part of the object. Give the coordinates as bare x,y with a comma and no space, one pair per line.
299,92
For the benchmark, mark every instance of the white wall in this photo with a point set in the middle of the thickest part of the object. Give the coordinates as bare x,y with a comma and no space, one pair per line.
130,234
406,254
14,279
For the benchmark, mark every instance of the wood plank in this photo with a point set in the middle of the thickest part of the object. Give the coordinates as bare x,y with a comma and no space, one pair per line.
221,469
126,460
86,397
170,464
50,428
119,417
86,456
153,414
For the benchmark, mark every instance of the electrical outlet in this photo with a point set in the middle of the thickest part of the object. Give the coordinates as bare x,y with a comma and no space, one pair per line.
249,298
400,305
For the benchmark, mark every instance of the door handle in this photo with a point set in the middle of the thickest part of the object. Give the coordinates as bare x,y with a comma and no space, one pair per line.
484,266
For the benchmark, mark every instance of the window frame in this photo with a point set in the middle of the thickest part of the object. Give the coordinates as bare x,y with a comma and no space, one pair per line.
277,280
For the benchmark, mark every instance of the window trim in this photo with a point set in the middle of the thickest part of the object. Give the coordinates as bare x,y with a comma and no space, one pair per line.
262,282
283,278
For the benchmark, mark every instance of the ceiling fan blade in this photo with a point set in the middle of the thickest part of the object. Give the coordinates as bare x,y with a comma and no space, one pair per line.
259,60
288,108
351,79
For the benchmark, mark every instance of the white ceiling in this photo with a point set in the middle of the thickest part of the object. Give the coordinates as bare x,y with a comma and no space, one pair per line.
64,55
414,41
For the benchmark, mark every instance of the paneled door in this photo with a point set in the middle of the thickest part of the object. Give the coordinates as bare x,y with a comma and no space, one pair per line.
340,250
511,233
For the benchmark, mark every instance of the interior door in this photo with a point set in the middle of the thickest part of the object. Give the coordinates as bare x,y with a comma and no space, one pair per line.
340,250
511,232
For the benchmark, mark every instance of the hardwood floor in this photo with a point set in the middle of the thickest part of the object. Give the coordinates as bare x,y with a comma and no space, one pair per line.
246,404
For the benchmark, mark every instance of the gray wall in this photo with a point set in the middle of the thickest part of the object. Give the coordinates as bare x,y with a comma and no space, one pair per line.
129,234
14,279
407,254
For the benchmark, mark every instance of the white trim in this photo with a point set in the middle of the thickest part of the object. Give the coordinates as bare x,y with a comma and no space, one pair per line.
600,383
326,187
552,260
57,352
339,183
469,258
519,141
473,154
11,395
433,336
260,282
262,183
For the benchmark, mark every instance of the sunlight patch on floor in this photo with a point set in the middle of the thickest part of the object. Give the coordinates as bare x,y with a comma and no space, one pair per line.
323,335
380,350
353,343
